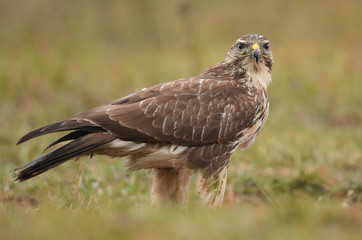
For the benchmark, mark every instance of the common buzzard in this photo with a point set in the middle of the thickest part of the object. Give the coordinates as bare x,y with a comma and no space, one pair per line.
175,127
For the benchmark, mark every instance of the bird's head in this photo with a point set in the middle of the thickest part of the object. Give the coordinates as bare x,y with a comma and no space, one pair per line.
252,52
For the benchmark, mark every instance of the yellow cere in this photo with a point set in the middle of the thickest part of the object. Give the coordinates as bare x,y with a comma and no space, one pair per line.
255,46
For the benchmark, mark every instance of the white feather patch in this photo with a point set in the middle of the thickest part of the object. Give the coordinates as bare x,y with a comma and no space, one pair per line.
170,150
177,149
127,145
258,73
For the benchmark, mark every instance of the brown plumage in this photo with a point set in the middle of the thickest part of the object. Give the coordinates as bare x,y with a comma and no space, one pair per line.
190,123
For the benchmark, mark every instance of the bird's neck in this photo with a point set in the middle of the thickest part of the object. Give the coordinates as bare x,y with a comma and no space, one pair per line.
236,70
224,70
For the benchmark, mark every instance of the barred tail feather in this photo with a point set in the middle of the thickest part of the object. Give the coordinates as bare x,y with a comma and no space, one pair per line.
80,146
66,125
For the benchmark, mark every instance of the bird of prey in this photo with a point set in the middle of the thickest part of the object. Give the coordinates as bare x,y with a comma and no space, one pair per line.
174,127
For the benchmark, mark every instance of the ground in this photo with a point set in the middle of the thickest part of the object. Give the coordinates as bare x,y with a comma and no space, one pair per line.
301,179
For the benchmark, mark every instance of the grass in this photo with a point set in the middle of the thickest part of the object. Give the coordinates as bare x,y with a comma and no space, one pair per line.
301,179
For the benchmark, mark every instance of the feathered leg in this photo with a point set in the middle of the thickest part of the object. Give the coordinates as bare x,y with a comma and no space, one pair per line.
170,184
211,189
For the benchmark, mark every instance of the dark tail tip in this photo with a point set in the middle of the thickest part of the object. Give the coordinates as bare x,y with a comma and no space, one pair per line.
81,146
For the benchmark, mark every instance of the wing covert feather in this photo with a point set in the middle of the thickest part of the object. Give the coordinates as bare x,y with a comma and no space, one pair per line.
190,112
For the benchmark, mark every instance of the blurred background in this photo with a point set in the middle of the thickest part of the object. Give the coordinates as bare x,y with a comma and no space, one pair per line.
60,58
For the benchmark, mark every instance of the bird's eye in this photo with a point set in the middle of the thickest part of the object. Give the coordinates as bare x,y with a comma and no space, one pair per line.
266,46
242,46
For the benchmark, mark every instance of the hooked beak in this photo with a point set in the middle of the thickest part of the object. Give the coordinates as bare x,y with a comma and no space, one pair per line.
255,52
